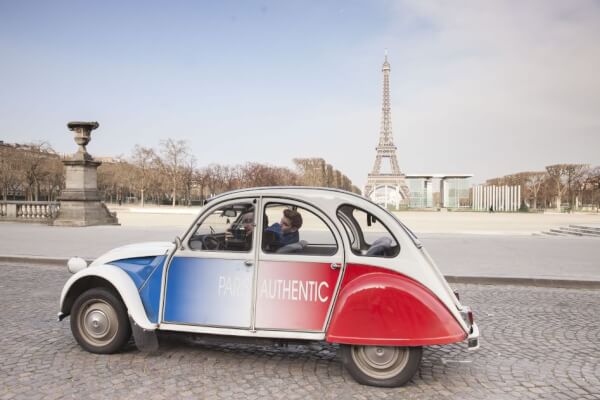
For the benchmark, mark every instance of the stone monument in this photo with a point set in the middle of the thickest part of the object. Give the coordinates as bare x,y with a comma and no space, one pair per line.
80,203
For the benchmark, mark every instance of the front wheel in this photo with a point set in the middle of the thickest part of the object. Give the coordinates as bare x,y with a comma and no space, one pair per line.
384,366
99,321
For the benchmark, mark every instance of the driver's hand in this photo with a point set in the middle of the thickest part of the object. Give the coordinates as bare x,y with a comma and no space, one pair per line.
228,235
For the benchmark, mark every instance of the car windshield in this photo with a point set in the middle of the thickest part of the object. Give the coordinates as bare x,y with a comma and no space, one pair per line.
227,228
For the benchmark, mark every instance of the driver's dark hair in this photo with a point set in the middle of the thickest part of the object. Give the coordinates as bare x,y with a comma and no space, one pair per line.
294,217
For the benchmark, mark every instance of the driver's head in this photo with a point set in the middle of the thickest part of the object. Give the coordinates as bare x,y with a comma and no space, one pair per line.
247,221
291,221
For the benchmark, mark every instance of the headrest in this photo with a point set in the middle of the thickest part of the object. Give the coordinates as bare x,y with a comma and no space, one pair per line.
379,246
292,247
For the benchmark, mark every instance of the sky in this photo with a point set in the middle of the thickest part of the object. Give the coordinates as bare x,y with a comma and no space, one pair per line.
481,87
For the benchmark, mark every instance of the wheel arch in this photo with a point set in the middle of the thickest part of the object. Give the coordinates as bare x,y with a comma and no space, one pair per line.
390,309
112,278
82,285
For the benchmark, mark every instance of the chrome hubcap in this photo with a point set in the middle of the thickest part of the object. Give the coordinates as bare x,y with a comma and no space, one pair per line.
380,362
98,322
378,356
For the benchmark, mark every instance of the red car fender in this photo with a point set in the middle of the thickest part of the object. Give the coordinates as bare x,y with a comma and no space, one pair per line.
377,306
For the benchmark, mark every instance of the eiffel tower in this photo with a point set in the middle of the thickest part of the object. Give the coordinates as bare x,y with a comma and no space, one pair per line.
386,188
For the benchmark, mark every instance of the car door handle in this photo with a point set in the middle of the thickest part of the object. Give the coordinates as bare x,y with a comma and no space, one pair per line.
336,266
248,263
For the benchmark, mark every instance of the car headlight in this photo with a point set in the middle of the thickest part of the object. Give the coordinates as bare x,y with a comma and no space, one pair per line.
76,264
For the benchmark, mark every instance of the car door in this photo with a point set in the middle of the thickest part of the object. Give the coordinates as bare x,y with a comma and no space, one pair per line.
296,283
209,280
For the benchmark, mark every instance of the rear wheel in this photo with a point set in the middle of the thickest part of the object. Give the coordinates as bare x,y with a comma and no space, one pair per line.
385,366
99,321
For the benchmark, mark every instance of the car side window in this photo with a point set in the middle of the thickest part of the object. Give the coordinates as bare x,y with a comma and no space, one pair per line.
368,236
227,228
350,230
289,229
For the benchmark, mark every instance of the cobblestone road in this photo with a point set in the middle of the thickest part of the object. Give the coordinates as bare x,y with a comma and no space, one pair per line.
536,343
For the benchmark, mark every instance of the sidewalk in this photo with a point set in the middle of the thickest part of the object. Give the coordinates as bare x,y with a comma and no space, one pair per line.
482,258
497,223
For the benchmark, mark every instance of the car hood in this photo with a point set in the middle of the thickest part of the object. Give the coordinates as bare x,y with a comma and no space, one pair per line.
146,249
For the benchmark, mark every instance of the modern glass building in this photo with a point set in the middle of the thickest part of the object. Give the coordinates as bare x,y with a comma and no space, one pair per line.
455,192
453,189
421,192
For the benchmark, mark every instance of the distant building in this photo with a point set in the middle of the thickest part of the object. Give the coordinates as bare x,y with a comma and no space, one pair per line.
454,190
107,160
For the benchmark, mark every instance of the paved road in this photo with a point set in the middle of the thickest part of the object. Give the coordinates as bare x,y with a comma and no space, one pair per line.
515,256
536,343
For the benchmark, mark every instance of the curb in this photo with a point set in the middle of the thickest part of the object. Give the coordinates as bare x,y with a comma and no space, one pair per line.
37,260
477,280
538,282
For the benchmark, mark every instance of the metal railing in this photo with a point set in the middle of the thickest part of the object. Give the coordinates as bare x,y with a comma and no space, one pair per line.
28,211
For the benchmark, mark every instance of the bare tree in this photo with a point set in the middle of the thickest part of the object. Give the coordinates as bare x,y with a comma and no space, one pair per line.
312,170
200,179
593,183
54,178
557,173
156,183
33,159
575,174
339,179
187,178
255,174
536,180
212,179
520,179
316,172
145,159
285,176
108,181
228,177
10,170
175,156
500,181
330,176
346,183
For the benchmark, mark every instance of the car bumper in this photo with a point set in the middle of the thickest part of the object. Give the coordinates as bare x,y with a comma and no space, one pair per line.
473,338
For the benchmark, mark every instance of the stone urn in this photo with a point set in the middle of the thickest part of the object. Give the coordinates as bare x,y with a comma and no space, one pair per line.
83,135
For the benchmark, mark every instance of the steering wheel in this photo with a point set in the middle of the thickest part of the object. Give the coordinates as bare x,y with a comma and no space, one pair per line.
210,243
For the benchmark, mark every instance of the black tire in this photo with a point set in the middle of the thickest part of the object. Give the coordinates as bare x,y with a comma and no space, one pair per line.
99,321
383,366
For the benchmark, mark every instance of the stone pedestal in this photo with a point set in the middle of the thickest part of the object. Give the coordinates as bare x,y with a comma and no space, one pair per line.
80,203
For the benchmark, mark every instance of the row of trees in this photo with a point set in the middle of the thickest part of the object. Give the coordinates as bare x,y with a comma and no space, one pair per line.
30,172
560,185
316,172
169,174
